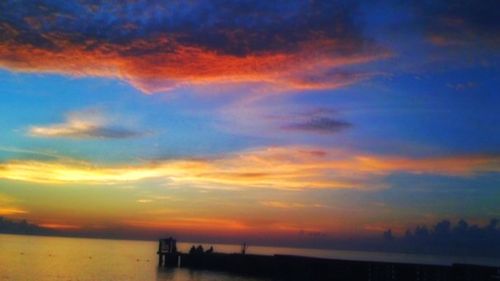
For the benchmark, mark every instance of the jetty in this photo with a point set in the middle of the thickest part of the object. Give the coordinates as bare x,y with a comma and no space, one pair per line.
287,267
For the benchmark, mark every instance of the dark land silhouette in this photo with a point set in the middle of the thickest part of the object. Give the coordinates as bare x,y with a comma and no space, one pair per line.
23,227
446,238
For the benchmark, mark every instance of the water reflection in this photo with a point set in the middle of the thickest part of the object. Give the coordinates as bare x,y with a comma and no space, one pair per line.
180,274
35,258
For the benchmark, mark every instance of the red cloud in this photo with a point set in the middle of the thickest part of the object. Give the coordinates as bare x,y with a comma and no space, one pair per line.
297,45
172,64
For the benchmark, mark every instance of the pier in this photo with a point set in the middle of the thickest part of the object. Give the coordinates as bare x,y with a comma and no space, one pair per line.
286,267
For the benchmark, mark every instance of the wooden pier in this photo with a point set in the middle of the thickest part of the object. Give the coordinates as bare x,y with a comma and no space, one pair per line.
285,267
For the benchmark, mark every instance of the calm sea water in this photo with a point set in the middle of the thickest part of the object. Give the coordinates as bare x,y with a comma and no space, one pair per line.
34,258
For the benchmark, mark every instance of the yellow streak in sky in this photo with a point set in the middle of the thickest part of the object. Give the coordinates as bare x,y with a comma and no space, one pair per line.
292,168
12,211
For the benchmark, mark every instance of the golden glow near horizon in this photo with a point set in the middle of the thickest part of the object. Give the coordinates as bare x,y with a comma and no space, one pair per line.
292,170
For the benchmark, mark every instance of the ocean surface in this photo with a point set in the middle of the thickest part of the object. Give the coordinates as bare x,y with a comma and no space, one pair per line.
35,258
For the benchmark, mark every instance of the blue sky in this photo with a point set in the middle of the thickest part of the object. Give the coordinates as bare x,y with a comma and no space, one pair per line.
295,115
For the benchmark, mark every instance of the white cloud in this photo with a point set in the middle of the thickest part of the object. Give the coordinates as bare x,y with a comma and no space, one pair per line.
85,124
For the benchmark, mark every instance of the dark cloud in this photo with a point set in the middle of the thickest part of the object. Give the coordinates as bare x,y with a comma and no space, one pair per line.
231,27
323,125
23,227
460,22
108,133
321,120
85,132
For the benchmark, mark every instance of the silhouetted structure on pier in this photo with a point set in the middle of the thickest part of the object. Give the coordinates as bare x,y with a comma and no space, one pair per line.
284,267
167,252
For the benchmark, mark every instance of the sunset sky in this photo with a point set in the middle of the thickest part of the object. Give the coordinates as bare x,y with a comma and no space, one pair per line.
249,119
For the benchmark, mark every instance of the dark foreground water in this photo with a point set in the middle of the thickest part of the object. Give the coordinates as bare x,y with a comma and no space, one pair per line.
34,258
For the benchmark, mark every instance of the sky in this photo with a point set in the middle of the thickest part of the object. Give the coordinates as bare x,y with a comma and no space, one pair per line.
268,120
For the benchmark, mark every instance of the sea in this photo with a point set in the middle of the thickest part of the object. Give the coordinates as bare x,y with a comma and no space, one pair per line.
39,258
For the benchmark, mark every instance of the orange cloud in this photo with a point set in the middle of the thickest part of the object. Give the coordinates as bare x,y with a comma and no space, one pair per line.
289,168
190,223
222,226
59,226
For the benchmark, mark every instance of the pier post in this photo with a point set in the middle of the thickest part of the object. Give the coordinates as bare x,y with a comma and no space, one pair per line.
160,259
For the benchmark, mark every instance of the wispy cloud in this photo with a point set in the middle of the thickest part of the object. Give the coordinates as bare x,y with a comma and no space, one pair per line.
31,152
288,168
86,124
462,86
289,205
